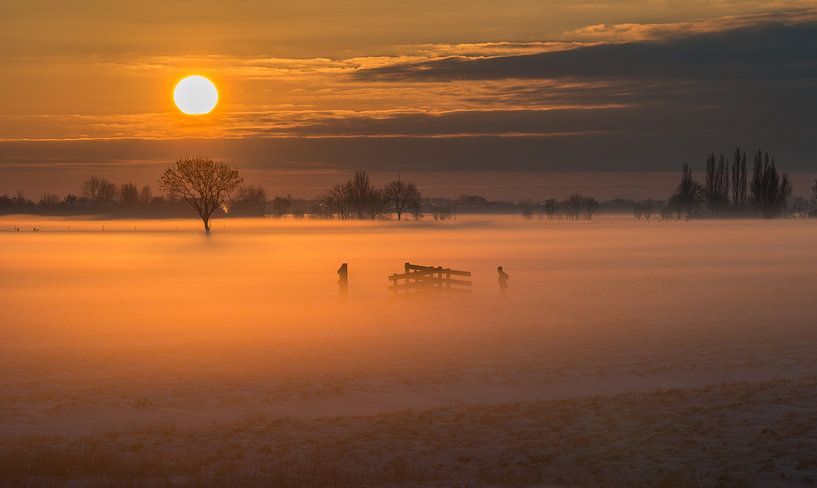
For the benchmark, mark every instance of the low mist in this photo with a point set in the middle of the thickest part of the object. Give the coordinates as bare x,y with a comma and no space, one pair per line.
248,320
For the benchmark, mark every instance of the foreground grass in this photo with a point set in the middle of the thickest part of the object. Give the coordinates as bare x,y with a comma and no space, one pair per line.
746,434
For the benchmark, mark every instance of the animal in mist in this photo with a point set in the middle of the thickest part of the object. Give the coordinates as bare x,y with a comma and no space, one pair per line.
502,278
203,183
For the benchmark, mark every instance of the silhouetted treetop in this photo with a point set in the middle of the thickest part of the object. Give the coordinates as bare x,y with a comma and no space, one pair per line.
203,183
99,190
402,197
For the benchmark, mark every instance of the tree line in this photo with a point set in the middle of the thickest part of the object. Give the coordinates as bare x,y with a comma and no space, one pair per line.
359,198
728,191
212,188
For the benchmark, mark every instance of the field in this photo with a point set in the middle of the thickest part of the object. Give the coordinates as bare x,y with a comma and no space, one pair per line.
627,353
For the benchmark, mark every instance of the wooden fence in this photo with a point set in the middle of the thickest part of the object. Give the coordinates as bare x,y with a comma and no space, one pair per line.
429,279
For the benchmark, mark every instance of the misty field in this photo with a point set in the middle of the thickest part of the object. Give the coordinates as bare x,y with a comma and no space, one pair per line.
627,353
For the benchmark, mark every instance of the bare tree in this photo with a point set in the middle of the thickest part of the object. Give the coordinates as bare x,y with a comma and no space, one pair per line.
648,208
402,197
526,206
364,199
551,207
249,200
335,202
590,206
573,206
282,205
128,195
145,195
717,185
770,189
638,209
203,183
739,182
49,201
814,189
356,198
686,201
98,190
441,212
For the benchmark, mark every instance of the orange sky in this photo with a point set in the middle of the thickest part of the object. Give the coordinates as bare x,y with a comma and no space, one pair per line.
324,85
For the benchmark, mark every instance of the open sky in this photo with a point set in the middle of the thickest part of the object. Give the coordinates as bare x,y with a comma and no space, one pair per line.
524,98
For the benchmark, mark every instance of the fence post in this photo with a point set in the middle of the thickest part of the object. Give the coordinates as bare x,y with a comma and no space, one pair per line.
407,280
343,281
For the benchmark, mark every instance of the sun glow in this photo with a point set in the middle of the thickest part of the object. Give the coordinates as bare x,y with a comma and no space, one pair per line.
195,95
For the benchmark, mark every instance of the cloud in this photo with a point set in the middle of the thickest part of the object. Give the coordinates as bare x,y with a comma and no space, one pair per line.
637,32
769,50
619,97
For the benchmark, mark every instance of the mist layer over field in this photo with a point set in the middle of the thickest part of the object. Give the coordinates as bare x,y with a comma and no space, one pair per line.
152,323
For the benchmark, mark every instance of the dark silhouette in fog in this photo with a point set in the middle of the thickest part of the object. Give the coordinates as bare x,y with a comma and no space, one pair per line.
726,192
429,279
249,201
203,183
343,280
356,198
767,195
402,197
502,278
98,190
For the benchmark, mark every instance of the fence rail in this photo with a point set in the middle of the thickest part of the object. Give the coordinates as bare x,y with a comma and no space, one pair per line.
429,279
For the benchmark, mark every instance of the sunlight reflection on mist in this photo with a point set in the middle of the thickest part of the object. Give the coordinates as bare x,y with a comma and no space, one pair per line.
253,311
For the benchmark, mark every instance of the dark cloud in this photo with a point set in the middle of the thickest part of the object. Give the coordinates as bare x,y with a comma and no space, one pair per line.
614,151
771,51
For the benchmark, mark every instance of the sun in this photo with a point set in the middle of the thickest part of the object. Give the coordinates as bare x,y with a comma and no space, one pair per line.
195,95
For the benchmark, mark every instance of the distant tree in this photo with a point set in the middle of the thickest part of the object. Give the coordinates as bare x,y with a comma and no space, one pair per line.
471,201
573,206
580,206
282,205
688,196
799,206
648,207
770,189
441,212
356,198
551,207
336,202
128,195
814,190
644,209
203,183
526,208
590,207
145,195
402,197
717,185
739,181
638,210
99,191
249,200
49,200
364,199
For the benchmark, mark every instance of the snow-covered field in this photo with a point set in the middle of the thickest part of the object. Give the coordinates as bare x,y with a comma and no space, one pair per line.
626,352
